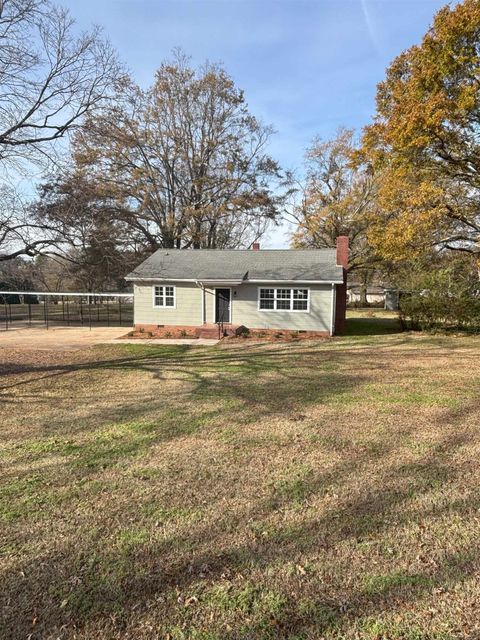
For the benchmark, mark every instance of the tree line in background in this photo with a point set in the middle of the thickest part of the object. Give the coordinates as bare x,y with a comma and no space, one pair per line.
184,163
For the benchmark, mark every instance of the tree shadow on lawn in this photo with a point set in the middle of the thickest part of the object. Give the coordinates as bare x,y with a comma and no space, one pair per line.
126,427
248,358
105,588
366,326
200,369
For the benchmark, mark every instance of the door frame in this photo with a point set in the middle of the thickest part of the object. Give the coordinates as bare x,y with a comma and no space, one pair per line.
215,305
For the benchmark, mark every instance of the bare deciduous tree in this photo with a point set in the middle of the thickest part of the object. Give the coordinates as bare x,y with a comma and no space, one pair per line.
335,199
49,79
21,233
183,164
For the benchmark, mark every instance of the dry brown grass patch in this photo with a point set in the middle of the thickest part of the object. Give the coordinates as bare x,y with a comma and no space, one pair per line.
273,491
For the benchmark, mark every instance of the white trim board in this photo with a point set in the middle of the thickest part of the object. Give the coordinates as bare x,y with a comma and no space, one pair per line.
210,281
333,309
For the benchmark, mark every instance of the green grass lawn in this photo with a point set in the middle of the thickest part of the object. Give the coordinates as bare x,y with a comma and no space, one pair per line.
305,490
371,322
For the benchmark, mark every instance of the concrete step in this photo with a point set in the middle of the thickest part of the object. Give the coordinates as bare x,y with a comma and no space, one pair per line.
208,335
212,330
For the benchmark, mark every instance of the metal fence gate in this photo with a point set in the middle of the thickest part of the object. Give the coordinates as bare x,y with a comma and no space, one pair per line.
76,309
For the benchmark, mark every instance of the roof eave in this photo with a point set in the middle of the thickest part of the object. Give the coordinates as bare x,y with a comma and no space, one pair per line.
133,278
302,280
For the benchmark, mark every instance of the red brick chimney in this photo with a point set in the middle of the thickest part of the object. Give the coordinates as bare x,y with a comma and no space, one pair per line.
342,251
256,246
341,289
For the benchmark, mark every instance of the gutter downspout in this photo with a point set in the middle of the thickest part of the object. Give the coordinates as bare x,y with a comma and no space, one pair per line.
332,311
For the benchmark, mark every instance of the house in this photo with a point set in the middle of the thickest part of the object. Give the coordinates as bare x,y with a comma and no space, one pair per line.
192,290
373,294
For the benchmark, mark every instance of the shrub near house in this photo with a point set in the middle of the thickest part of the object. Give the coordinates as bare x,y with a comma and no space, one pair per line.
444,299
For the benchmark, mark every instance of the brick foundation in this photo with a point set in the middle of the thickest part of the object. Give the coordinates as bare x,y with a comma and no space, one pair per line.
286,334
184,331
165,331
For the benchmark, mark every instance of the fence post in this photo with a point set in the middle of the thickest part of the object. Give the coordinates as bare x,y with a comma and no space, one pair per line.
89,302
45,300
29,313
120,311
6,312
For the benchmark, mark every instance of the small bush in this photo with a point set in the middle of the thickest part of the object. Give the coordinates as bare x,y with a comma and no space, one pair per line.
168,334
183,333
447,302
433,313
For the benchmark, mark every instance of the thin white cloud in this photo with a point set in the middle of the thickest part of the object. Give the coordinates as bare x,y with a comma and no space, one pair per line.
371,28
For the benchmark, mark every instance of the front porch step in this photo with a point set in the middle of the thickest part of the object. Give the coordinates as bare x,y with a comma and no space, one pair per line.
211,330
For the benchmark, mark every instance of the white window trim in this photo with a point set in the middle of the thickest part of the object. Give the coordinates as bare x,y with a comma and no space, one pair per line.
164,306
333,309
307,310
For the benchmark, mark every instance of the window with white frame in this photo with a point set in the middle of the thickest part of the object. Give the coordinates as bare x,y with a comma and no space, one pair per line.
163,296
283,299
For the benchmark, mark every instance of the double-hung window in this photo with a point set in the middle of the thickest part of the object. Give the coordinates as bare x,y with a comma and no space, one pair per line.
283,299
163,296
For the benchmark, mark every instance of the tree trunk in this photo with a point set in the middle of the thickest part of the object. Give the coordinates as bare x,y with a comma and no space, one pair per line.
363,295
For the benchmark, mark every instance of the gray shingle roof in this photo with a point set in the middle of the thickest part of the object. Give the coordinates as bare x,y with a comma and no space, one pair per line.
244,265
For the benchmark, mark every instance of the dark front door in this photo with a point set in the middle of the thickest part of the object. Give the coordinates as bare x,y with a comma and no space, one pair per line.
222,305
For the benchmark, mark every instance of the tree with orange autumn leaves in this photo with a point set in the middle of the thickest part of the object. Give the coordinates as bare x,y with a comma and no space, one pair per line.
424,143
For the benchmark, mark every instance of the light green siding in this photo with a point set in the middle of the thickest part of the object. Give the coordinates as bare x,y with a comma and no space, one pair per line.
187,310
244,308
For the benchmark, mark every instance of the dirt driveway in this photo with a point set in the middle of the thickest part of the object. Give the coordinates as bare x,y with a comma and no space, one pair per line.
71,338
58,338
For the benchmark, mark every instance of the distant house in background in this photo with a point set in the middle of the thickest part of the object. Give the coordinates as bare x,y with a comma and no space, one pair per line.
297,290
375,295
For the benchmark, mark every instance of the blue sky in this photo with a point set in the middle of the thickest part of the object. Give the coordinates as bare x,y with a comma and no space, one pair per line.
307,66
